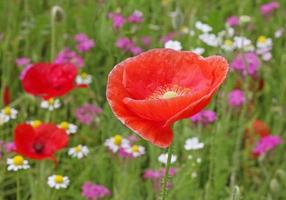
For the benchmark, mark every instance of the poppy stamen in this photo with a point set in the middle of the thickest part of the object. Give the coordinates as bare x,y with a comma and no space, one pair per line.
169,92
38,147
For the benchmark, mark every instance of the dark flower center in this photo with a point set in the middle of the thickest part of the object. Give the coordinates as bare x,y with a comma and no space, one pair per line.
38,147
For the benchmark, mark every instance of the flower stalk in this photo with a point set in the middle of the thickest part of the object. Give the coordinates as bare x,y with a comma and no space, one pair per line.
166,176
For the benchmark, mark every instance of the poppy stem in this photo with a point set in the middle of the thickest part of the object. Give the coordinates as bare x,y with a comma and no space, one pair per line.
53,35
18,186
166,176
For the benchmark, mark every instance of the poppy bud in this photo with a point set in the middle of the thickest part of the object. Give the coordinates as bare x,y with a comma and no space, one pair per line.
57,13
274,185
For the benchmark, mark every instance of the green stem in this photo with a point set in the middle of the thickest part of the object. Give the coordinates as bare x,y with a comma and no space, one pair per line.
53,34
166,176
18,187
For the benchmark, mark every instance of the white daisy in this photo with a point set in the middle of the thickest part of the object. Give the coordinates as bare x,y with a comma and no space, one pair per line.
8,114
173,44
116,142
79,151
203,27
83,79
193,144
58,181
135,150
241,42
2,119
263,42
51,104
68,127
198,50
228,45
210,39
16,163
163,158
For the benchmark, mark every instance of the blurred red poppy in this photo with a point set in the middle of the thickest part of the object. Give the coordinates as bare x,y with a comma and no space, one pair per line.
6,96
49,80
149,92
40,142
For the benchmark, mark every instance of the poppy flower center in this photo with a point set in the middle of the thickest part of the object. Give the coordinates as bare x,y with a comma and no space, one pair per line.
18,160
59,179
169,95
169,92
38,147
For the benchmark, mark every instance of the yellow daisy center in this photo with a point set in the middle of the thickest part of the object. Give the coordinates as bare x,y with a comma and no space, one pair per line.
7,110
51,101
117,139
59,179
36,123
64,125
262,39
77,149
18,160
135,148
228,42
83,75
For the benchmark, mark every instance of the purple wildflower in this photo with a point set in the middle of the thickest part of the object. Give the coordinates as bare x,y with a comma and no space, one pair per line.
247,63
136,50
124,43
204,117
265,144
136,17
152,174
9,147
146,40
86,113
168,37
117,19
232,21
84,43
268,8
23,62
93,191
69,56
236,98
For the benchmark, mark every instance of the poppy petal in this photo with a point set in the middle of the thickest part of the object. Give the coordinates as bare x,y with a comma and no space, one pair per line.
49,80
24,136
150,131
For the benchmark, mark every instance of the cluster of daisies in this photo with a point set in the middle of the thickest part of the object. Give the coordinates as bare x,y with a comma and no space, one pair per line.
125,147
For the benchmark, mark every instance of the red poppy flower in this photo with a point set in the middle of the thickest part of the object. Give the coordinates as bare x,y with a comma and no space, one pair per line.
6,96
149,92
40,142
49,80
